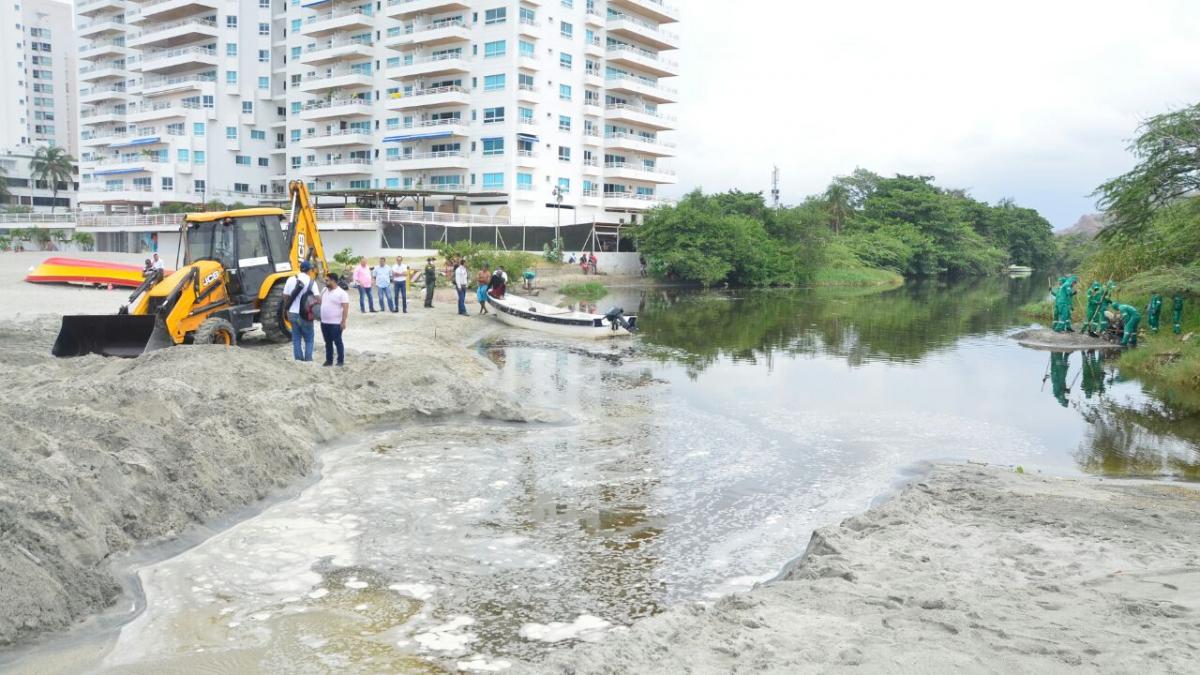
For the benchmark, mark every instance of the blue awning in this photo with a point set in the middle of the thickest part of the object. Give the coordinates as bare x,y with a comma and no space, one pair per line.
527,137
315,3
137,141
404,138
113,172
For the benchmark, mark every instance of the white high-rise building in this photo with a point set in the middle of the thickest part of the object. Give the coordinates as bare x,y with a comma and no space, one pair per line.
491,107
177,102
37,69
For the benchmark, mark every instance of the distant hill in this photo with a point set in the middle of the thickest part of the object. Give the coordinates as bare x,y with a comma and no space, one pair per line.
1088,225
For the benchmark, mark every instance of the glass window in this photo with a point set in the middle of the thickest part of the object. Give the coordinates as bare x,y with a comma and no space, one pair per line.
231,77
393,183
564,153
197,128
493,181
564,123
564,92
296,23
264,56
493,147
231,22
528,16
264,29
264,82
258,135
493,82
494,49
526,49
564,185
524,181
198,157
242,160
525,114
183,156
247,107
565,61
231,132
494,16
231,49
263,161
566,29
493,115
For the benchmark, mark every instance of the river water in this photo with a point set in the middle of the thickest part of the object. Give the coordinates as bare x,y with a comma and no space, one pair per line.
688,463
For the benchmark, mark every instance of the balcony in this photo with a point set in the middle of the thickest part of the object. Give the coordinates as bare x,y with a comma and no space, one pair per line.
648,90
527,158
528,93
642,117
642,59
629,27
160,110
94,7
100,193
653,9
159,86
429,65
337,138
630,201
173,34
175,60
444,128
529,28
101,116
92,95
405,9
111,25
422,161
340,79
111,166
430,34
639,144
338,167
323,110
593,47
104,71
638,172
98,49
438,96
339,19
591,167
171,10
332,51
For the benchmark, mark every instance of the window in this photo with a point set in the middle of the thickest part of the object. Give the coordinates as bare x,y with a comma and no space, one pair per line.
525,82
295,53
495,49
168,183
198,157
247,107
493,82
564,123
258,135
294,134
264,82
495,16
230,49
564,92
566,29
231,77
526,49
231,22
493,147
493,115
197,128
393,183
294,107
263,161
198,186
264,56
564,153
296,23
493,181
175,129
183,156
392,153
241,187
264,29
208,102
242,160
568,3
564,185
231,133
525,115
528,16
565,61
295,162
524,181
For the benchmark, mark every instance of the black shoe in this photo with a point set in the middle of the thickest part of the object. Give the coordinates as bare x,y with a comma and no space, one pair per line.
340,365
326,364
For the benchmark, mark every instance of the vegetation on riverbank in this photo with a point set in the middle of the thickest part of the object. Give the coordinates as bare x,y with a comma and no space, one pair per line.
590,291
864,229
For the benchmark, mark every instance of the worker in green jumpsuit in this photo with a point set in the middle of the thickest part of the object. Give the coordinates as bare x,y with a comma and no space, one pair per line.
1093,374
430,281
1153,310
1054,298
1177,313
1091,320
1131,318
1059,365
1062,304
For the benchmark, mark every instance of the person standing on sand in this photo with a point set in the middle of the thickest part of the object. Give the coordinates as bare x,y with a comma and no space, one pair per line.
430,281
362,279
460,286
383,284
482,280
295,289
335,309
400,285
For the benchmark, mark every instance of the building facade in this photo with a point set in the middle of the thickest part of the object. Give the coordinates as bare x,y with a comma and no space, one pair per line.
522,110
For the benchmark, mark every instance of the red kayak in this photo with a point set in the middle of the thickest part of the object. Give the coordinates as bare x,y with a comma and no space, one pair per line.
76,271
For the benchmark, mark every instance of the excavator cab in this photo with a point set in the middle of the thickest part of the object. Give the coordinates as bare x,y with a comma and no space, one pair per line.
249,248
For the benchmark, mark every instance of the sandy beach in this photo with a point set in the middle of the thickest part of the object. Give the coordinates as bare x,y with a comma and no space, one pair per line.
969,568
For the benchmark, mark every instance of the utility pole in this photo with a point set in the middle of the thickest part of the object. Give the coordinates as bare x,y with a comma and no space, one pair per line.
558,196
775,187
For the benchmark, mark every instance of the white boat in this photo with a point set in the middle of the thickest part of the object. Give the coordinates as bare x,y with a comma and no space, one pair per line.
520,312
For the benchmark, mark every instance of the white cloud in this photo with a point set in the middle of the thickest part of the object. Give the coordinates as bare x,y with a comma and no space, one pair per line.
1030,99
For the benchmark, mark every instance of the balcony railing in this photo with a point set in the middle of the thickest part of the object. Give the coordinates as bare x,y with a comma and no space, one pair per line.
637,21
150,57
637,139
101,20
339,132
640,110
114,65
317,77
438,90
334,44
338,13
642,82
86,114
204,23
638,167
644,53
352,161
181,79
335,103
428,155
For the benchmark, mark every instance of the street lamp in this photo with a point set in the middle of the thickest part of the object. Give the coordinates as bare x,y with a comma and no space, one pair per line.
558,195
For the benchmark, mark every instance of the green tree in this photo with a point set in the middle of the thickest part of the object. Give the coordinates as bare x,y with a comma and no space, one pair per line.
837,201
53,165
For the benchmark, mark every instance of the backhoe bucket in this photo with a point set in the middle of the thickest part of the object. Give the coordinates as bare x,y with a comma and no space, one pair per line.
125,335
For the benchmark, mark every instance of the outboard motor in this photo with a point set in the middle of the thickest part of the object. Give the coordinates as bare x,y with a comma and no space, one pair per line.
616,318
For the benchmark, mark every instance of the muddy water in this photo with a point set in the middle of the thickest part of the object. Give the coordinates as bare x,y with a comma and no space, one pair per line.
688,463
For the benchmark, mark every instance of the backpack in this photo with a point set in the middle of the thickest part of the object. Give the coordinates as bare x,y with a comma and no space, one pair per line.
309,302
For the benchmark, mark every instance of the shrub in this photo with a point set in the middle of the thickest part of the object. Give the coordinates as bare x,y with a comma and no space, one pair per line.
588,290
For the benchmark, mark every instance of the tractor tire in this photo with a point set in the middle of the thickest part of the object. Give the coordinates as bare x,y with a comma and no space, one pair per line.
274,319
215,331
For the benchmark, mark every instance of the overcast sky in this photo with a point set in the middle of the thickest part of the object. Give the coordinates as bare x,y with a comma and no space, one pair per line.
1034,100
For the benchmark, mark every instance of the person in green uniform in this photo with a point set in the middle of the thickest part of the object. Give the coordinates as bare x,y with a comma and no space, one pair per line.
1091,320
1063,301
1131,318
430,281
1177,313
1093,374
1059,364
1153,310
1054,289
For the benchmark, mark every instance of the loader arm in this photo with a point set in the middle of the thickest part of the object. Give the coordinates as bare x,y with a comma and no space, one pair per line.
305,238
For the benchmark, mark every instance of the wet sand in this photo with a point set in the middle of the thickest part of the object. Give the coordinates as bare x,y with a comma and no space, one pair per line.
1044,338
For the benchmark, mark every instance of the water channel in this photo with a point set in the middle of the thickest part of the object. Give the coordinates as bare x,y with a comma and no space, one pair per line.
690,462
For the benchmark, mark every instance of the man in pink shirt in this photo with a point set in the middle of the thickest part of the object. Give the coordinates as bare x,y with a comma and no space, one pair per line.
362,279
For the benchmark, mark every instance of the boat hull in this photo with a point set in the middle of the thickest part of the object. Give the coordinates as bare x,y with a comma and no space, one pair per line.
77,271
514,311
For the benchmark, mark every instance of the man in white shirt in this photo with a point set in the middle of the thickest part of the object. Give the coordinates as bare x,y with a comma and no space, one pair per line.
383,284
156,265
400,274
294,291
335,309
460,285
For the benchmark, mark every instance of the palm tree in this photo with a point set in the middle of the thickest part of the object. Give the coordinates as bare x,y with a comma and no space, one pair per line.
837,198
54,165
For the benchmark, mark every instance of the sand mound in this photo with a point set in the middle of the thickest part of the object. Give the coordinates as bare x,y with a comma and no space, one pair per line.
98,454
1044,338
972,569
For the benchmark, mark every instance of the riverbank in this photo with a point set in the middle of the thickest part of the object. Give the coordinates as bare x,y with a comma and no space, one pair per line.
969,569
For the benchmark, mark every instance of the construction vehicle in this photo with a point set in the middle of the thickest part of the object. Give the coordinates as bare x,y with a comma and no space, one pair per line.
235,264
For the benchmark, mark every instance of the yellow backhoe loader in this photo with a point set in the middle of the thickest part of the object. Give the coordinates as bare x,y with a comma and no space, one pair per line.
235,266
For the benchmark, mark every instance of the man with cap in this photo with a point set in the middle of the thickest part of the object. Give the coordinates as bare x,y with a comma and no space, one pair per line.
294,292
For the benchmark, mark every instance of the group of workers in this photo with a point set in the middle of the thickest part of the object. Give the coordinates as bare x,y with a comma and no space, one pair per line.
1103,314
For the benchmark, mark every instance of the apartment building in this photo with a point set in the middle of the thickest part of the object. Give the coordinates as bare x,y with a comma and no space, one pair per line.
500,108
37,68
178,103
